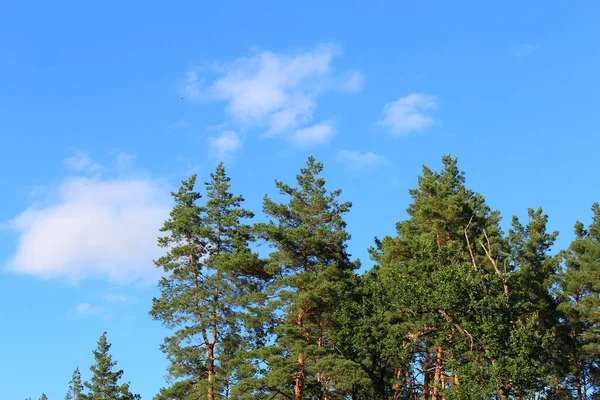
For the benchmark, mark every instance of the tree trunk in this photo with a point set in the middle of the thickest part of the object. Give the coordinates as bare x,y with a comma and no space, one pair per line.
211,372
397,385
327,385
214,326
300,374
443,379
299,378
425,368
438,373
578,384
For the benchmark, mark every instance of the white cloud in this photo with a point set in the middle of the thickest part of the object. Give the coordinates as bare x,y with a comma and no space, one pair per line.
313,136
86,309
81,162
93,227
275,91
225,145
356,160
354,82
409,114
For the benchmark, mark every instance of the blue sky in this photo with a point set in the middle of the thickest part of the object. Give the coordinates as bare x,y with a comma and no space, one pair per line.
106,106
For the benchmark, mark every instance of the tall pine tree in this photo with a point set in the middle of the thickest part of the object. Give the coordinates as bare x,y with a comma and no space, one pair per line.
535,343
311,271
579,295
211,278
444,283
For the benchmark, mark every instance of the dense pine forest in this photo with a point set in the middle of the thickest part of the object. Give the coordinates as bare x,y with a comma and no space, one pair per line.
453,308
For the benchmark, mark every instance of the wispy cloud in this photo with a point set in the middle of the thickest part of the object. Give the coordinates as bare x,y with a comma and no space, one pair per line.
125,160
357,161
87,310
313,136
191,88
81,162
92,227
225,145
409,114
353,82
274,91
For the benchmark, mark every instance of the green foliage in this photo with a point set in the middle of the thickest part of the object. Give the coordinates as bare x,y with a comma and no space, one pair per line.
311,272
442,280
579,294
453,308
211,282
75,391
534,355
104,384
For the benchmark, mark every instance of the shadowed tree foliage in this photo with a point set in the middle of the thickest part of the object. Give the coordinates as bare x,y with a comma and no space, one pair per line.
534,344
579,294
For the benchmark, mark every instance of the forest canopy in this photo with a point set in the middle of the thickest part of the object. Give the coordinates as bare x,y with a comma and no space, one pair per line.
453,308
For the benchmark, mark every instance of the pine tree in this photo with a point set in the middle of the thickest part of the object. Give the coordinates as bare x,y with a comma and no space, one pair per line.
579,293
365,335
75,387
446,288
534,360
212,278
104,382
311,271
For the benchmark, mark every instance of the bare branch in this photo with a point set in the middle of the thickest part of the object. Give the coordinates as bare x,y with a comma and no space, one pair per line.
469,243
463,331
488,250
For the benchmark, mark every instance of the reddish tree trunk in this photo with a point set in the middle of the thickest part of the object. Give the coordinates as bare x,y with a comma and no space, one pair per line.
211,372
396,387
438,373
300,374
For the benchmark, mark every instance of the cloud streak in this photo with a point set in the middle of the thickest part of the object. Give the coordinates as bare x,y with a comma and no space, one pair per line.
357,161
225,145
81,162
314,135
409,114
